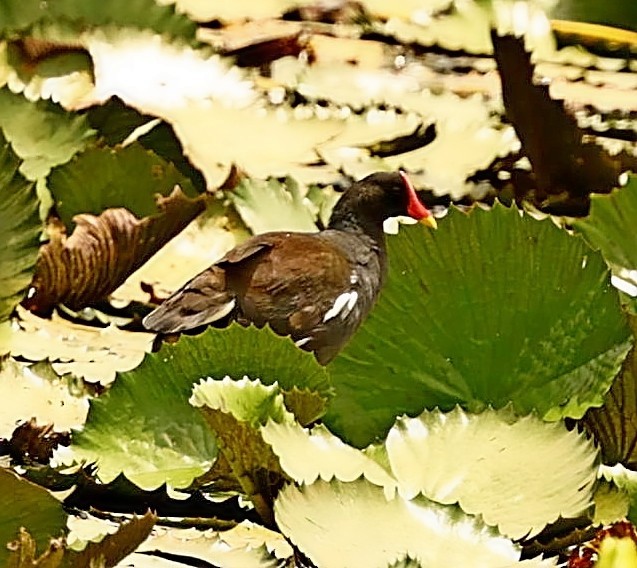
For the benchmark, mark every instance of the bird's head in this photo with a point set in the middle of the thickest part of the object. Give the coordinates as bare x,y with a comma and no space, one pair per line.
377,197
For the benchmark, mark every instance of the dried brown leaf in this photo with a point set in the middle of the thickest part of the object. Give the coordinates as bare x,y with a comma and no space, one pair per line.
614,425
107,553
33,443
115,547
306,405
22,553
103,251
563,164
252,461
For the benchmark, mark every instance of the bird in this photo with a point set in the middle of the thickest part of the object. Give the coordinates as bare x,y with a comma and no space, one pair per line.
316,288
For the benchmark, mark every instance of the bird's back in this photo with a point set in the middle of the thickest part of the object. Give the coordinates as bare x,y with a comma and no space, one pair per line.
315,287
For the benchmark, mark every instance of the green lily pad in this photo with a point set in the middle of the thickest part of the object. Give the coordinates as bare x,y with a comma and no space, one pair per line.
248,401
331,457
29,393
29,506
102,178
610,225
493,307
16,15
234,409
145,428
19,230
268,205
43,134
115,122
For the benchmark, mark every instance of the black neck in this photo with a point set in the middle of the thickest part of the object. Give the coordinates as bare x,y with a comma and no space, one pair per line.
355,221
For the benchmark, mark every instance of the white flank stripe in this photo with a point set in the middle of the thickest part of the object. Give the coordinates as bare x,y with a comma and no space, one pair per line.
344,303
351,302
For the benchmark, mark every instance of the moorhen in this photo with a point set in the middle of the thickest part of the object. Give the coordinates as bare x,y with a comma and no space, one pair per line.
315,287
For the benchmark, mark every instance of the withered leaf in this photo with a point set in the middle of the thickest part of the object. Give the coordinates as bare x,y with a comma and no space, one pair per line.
420,137
103,251
108,552
22,552
614,425
115,547
269,50
31,442
563,163
253,463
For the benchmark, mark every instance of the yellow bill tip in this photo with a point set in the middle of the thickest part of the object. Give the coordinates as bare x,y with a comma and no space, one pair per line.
429,221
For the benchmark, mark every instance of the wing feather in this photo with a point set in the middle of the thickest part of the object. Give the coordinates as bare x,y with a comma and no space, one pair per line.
206,298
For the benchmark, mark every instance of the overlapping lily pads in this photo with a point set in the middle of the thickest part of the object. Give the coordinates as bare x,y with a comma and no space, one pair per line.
43,134
145,428
365,528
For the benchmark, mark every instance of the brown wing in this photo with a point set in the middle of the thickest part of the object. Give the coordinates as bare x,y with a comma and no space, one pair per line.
204,299
291,285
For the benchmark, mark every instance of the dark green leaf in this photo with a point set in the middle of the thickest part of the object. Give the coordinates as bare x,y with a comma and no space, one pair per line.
493,307
115,122
103,178
610,226
26,505
19,230
18,15
43,134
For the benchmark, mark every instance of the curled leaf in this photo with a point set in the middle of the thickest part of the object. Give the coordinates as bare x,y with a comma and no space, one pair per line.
103,251
233,410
